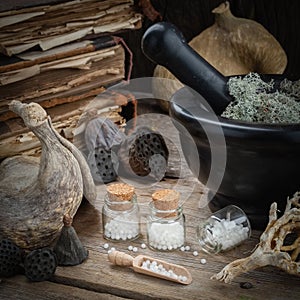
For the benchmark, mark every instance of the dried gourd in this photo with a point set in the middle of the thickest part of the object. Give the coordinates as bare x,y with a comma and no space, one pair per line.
236,46
35,193
233,46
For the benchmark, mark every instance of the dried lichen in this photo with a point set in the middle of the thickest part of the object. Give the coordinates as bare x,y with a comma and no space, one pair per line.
258,101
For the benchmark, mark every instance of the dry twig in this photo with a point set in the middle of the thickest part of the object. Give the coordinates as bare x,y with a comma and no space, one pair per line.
271,249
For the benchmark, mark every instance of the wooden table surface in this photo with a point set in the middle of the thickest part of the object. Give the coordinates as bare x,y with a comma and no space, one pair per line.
97,278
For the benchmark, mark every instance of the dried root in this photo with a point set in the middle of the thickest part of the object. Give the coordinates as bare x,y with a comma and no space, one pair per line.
271,249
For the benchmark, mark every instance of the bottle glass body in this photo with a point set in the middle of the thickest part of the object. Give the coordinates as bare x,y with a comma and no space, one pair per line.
121,219
224,230
165,229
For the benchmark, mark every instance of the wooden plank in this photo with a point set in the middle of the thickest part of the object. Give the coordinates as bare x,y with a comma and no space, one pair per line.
98,274
22,289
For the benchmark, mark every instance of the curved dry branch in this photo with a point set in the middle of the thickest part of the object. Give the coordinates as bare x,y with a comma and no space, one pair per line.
271,249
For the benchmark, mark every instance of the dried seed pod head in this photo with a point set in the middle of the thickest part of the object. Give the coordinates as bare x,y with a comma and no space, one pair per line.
120,192
143,155
146,146
166,199
10,258
40,264
101,165
101,137
103,133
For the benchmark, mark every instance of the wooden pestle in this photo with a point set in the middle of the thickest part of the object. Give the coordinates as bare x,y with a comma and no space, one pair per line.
164,44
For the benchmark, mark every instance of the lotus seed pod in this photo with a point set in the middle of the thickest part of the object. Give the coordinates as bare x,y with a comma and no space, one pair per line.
40,264
10,258
101,165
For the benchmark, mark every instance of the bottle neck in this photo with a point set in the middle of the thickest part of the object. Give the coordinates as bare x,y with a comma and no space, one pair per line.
164,214
122,205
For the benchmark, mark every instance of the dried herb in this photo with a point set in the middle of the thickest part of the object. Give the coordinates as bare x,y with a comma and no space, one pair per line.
258,101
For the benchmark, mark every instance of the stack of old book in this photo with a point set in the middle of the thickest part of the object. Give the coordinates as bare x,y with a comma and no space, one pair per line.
60,56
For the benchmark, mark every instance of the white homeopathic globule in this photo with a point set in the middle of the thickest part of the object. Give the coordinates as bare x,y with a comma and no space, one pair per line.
166,236
160,269
121,228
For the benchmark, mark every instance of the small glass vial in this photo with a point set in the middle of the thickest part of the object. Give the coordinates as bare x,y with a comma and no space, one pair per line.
120,213
166,221
224,230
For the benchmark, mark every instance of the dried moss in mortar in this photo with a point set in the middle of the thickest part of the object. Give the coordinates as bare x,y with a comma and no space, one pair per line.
258,101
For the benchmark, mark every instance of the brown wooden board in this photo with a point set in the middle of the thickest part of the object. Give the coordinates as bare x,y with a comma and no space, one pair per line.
22,289
97,275
100,275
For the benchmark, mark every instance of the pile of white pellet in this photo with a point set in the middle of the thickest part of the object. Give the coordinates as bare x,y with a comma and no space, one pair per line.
227,233
158,268
121,229
166,236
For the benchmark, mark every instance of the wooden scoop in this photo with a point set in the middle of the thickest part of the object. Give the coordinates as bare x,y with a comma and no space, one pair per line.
122,259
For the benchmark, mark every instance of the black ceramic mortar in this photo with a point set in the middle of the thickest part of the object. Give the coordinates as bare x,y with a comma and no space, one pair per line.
262,160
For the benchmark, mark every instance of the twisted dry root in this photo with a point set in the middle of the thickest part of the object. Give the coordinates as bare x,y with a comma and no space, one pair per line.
270,250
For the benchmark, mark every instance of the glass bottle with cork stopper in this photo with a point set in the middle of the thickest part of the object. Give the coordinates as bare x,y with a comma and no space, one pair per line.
166,221
120,213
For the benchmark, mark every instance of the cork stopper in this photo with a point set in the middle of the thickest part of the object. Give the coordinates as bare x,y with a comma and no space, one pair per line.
165,199
118,192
